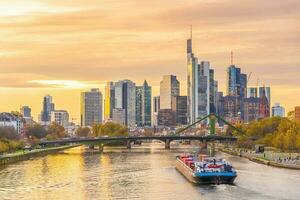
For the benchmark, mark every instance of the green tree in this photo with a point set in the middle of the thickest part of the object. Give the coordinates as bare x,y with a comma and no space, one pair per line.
83,132
36,131
8,132
56,131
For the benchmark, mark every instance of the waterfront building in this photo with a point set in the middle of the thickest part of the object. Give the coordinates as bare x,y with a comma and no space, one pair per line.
109,102
252,92
278,111
125,98
91,107
179,106
166,117
60,117
48,107
297,113
119,116
143,105
12,120
169,87
156,108
251,109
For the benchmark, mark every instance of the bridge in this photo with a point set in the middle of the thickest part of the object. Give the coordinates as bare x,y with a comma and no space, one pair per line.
166,139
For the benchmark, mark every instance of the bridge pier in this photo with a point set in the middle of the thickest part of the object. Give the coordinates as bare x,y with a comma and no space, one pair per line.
101,148
128,145
167,144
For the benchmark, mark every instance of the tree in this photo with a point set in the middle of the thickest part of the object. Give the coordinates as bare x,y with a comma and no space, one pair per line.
56,131
8,132
36,131
3,147
83,132
96,130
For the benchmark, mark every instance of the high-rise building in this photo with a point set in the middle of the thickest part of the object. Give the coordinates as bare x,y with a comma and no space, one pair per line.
265,91
169,87
192,82
179,106
251,109
252,92
61,117
109,102
125,98
213,86
278,110
91,107
118,116
230,109
143,105
166,117
203,92
237,86
26,111
48,107
264,108
156,108
199,85
297,113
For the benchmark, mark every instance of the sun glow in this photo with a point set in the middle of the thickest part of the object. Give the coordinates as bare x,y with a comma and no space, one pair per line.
66,84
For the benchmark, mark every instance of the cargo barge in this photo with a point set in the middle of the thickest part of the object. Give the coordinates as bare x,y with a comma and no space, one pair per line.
205,170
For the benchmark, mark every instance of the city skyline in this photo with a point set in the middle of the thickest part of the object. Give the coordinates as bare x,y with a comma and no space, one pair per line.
34,66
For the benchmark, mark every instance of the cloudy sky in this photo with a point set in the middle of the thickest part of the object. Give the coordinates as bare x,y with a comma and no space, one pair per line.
65,47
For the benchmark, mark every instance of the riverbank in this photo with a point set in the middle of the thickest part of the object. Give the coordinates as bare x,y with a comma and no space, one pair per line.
260,160
26,155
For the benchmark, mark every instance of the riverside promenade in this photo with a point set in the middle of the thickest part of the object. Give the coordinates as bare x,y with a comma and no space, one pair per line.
271,158
21,155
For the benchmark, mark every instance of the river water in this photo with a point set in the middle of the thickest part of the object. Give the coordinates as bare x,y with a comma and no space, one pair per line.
145,172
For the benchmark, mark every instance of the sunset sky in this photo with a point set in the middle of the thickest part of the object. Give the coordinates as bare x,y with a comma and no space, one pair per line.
64,47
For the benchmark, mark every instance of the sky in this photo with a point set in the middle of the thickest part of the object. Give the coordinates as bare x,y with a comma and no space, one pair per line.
65,47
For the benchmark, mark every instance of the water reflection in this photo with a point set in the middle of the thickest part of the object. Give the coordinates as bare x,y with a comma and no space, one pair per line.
146,172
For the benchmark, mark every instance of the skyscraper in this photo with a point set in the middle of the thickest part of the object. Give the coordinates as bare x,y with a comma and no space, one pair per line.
156,108
236,82
109,102
192,82
179,107
203,96
125,98
237,87
265,91
252,92
199,83
169,87
91,107
143,105
48,106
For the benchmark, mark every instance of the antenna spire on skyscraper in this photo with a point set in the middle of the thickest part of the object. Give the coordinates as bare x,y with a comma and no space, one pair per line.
191,29
231,57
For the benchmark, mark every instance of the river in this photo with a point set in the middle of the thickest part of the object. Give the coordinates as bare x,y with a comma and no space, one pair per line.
145,172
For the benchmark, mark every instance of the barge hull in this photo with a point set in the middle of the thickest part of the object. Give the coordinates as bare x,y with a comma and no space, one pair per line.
203,179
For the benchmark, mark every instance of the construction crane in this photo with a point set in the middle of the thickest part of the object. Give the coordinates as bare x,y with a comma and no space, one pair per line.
249,77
